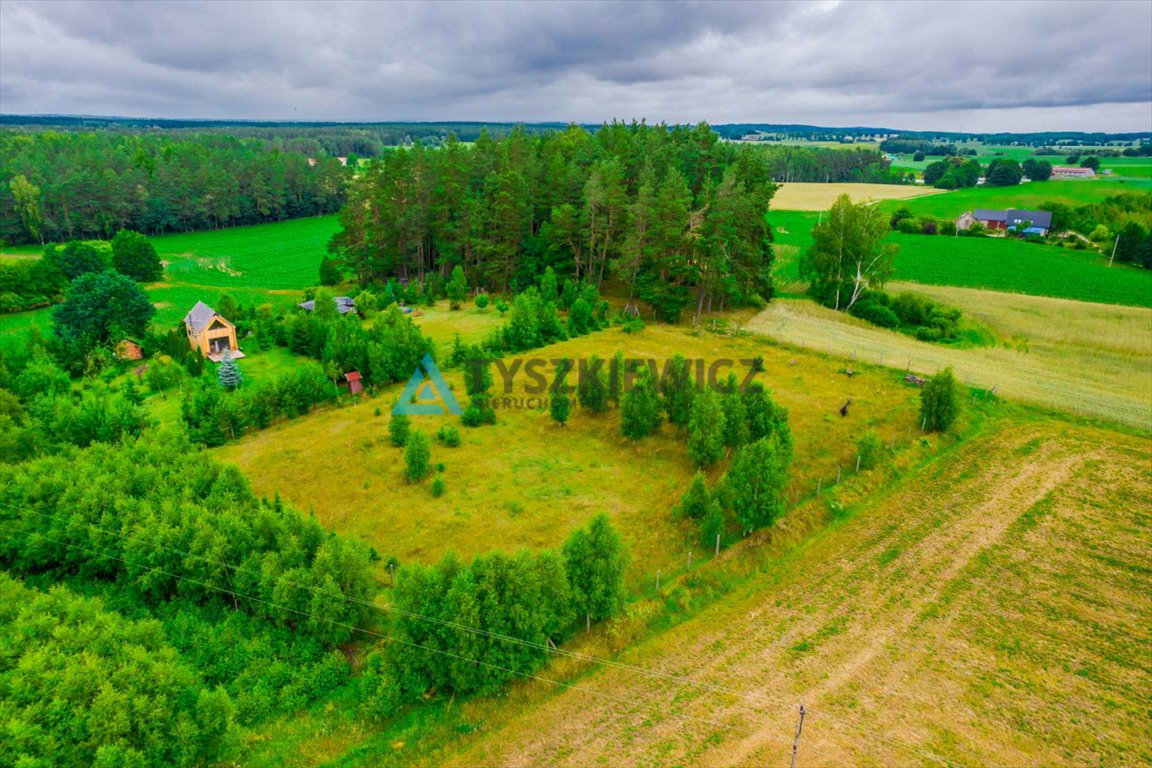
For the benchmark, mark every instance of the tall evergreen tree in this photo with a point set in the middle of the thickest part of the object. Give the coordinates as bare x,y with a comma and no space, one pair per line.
228,374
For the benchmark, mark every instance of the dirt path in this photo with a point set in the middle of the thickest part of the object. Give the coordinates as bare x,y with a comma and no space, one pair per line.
989,610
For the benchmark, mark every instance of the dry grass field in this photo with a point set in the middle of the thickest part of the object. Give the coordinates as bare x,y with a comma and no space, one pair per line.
528,483
810,196
992,608
1091,359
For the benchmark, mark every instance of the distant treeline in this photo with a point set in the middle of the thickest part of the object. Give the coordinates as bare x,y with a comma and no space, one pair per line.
792,163
63,186
675,214
400,133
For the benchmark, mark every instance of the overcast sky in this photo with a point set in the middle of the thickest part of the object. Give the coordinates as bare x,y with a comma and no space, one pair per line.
1020,66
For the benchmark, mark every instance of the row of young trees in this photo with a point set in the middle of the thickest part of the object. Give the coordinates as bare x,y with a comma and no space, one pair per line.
60,186
674,214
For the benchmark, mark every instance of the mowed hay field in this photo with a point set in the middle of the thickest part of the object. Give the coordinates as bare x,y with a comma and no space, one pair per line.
1091,359
528,483
811,196
991,609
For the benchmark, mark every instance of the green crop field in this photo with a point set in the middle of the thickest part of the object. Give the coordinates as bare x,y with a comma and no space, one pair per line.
996,264
283,255
1070,192
262,264
1011,265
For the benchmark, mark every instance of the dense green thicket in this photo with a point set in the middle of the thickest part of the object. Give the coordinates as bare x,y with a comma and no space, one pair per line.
1123,222
62,186
751,493
83,686
127,514
31,283
454,621
674,213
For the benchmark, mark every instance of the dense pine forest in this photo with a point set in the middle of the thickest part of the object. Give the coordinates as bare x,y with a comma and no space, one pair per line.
674,214
67,185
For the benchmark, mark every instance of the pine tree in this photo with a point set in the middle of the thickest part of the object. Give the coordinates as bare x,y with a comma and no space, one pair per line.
706,429
559,404
592,388
457,287
678,390
229,373
579,317
615,379
549,290
640,408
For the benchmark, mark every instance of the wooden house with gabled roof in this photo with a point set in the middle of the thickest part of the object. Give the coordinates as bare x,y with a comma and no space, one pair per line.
211,333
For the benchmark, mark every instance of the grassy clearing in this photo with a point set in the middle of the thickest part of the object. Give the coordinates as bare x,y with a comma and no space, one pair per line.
991,608
527,482
284,255
807,196
1091,359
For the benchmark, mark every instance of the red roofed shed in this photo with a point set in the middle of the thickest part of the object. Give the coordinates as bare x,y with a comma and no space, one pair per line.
355,386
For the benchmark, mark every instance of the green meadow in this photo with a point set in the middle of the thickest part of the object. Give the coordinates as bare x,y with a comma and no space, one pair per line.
996,264
261,264
1073,192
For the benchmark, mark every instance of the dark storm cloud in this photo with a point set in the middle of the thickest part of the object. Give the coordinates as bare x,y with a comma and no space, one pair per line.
1021,66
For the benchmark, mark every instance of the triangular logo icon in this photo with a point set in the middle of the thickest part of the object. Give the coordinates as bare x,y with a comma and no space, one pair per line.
427,394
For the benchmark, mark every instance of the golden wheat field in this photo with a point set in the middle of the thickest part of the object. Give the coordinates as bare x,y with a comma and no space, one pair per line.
1090,359
812,196
992,608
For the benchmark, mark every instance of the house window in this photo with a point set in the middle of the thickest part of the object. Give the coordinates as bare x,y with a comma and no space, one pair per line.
219,345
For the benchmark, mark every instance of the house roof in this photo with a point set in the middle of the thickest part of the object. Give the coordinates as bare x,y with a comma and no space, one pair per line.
199,316
1012,216
344,305
1042,219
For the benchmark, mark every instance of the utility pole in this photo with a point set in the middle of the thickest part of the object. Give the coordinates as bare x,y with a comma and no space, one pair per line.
1114,245
796,741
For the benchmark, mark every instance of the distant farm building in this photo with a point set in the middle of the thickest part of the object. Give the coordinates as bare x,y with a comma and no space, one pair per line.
128,349
211,333
1033,222
344,305
1072,172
